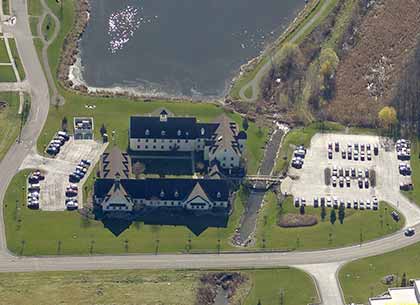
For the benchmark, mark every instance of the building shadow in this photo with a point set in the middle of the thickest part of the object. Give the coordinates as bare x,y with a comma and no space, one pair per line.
196,223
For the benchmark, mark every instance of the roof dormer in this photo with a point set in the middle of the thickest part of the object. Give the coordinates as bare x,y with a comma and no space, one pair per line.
162,194
147,132
179,132
163,116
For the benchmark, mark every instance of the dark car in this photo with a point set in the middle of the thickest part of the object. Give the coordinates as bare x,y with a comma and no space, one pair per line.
395,216
74,178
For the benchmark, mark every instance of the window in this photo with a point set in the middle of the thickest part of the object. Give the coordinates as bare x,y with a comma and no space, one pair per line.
154,140
224,158
186,141
146,147
231,158
147,140
170,141
178,141
161,147
170,146
154,146
138,146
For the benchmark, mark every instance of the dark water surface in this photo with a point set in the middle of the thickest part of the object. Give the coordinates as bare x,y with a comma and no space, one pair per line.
178,47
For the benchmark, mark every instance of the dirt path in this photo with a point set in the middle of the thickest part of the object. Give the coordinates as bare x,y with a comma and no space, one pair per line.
255,82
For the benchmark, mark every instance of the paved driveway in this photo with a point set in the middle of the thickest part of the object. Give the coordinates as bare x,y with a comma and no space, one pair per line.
57,170
310,180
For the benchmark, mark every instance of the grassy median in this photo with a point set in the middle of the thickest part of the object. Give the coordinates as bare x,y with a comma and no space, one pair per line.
150,287
358,226
9,121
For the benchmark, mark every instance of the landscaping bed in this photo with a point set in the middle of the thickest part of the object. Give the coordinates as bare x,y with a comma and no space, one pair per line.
291,220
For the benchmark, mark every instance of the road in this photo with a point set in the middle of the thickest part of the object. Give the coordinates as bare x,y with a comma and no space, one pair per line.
321,264
255,82
37,86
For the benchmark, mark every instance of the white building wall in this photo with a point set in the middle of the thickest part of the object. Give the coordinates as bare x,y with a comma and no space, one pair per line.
227,157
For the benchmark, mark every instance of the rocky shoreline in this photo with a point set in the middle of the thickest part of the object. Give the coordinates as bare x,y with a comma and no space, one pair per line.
70,49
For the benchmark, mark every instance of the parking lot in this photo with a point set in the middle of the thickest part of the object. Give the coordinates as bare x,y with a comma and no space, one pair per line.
310,181
57,170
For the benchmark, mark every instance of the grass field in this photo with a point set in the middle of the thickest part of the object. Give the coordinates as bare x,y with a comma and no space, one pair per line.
34,7
9,121
6,7
16,57
48,27
149,287
33,23
362,279
4,56
414,195
32,232
300,136
357,224
7,74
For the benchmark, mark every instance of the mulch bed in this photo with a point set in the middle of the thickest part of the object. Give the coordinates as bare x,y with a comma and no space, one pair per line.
296,220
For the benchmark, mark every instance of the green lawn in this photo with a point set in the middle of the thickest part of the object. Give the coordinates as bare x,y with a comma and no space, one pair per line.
414,195
40,233
34,7
324,234
33,22
4,56
7,74
300,136
16,57
9,121
362,279
6,7
48,27
296,287
149,287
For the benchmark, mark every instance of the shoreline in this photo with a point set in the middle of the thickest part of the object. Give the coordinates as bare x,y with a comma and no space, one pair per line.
70,68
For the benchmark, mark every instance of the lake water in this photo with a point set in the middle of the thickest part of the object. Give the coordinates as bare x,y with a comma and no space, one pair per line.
178,47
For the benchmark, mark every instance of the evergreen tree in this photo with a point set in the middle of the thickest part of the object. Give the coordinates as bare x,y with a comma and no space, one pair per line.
333,216
302,210
323,213
341,214
245,123
404,280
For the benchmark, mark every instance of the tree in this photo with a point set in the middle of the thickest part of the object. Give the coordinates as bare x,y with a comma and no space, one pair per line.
341,214
333,216
138,169
388,117
328,63
103,130
404,280
64,124
259,302
302,210
323,213
245,123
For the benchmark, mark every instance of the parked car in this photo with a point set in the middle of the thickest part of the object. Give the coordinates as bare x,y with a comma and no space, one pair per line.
376,149
348,204
74,178
64,135
366,183
409,232
395,216
337,146
355,204
297,202
316,202
360,183
348,182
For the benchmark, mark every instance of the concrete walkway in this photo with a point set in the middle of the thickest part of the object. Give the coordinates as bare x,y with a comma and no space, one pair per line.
325,277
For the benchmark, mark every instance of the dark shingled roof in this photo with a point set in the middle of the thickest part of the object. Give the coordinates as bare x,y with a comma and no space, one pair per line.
186,126
165,189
